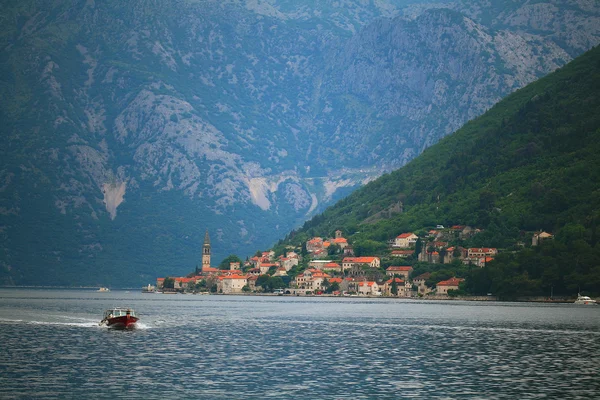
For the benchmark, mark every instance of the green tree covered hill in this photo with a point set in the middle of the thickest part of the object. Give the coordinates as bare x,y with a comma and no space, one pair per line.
529,163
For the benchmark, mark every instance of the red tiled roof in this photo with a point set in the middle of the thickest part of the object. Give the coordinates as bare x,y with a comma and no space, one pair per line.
400,268
233,277
404,235
398,280
366,283
450,282
360,260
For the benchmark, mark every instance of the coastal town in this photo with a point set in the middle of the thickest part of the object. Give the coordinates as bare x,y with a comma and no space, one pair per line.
329,266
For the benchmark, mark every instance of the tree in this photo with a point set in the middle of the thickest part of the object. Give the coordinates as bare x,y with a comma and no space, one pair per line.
394,288
224,265
303,251
275,282
262,281
334,249
418,247
169,283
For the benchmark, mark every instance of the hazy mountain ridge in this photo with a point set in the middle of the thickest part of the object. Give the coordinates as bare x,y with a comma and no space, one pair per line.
258,119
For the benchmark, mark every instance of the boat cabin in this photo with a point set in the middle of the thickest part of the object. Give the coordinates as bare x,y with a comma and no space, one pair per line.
118,312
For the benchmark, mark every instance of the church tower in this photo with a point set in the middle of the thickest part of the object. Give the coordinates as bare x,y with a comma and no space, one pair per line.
206,251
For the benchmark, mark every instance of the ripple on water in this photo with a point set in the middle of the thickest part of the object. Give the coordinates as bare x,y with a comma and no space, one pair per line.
226,348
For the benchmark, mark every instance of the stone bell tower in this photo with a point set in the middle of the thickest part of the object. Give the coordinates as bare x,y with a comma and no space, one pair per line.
206,251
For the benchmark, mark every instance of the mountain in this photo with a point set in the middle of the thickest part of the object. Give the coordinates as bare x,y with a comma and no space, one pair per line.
129,128
529,163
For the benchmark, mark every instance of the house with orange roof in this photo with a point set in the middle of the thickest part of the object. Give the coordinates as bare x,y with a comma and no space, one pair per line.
350,262
400,284
256,261
450,284
539,237
399,270
281,271
430,257
405,240
265,267
314,244
342,242
369,288
231,284
319,254
182,283
206,270
311,279
449,255
333,267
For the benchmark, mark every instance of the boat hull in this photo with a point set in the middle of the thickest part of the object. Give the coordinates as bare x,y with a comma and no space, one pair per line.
122,322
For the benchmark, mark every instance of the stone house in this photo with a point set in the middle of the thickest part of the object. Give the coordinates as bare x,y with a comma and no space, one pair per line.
419,282
349,262
450,284
405,240
311,279
399,270
332,267
369,288
538,237
231,284
478,252
387,287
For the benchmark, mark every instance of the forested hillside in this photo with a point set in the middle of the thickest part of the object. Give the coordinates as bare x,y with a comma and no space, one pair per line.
529,163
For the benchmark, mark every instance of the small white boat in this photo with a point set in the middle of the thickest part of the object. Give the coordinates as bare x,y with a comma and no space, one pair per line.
103,289
584,300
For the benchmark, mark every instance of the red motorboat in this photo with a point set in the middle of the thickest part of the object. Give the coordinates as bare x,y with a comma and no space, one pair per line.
120,318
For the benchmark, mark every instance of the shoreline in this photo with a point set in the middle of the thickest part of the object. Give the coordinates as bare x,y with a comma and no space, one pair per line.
533,299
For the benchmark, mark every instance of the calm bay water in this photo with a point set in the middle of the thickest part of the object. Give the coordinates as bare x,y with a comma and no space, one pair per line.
230,347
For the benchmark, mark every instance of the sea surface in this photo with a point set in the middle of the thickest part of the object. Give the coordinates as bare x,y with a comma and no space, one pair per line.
261,347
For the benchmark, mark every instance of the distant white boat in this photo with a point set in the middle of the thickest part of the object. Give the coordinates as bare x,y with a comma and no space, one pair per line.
584,300
149,289
103,289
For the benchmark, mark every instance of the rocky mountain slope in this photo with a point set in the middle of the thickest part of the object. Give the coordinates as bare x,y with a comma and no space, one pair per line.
128,128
